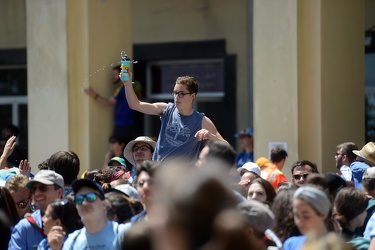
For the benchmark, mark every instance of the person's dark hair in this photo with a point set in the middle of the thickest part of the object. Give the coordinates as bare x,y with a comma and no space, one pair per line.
193,204
347,149
302,163
191,83
43,165
119,205
282,207
286,185
349,203
148,166
278,154
106,175
12,130
65,210
270,191
65,163
90,174
222,151
5,229
139,237
117,138
118,68
8,205
368,184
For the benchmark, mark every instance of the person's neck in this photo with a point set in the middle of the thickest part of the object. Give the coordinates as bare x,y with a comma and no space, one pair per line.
95,225
249,149
185,111
322,230
279,165
370,194
351,227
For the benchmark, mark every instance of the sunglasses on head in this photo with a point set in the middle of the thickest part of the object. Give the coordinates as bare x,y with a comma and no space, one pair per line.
299,176
90,197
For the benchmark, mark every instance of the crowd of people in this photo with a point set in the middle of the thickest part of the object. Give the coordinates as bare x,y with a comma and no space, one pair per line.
187,190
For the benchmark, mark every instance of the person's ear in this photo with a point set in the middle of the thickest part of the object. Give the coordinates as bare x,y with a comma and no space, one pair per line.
60,192
58,222
344,158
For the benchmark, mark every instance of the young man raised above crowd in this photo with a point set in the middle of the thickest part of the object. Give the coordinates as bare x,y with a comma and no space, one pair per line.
182,127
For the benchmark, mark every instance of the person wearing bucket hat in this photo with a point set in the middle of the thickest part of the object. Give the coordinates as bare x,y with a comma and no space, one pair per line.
46,187
139,150
365,159
98,230
247,144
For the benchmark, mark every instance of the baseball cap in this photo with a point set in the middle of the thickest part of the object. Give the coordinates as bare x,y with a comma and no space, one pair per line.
117,159
128,190
257,215
246,131
78,184
249,167
47,177
129,147
367,153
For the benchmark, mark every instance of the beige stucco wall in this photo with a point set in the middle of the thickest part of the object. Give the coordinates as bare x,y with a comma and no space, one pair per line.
195,20
12,24
73,44
331,78
97,33
275,76
308,71
47,72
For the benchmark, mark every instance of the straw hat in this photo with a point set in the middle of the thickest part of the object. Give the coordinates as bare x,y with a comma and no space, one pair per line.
367,153
128,149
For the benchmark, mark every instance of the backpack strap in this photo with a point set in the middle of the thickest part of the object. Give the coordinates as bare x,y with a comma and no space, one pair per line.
34,224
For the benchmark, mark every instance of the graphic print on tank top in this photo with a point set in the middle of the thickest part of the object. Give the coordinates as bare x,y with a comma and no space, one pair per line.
177,133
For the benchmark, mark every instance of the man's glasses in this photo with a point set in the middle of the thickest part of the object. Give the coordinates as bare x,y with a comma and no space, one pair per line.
299,176
142,148
90,197
179,94
23,204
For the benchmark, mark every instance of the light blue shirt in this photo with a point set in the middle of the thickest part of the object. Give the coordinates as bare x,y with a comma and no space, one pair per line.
25,236
110,237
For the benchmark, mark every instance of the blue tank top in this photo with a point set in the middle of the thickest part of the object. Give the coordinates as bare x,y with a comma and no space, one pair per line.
176,137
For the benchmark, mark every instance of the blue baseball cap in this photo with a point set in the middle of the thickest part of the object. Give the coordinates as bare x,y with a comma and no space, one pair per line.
246,131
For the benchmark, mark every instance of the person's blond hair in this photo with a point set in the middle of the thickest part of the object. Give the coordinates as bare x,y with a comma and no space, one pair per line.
16,183
331,241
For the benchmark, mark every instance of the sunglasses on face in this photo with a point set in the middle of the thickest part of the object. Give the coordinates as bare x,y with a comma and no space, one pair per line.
90,197
299,176
41,187
142,148
23,204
